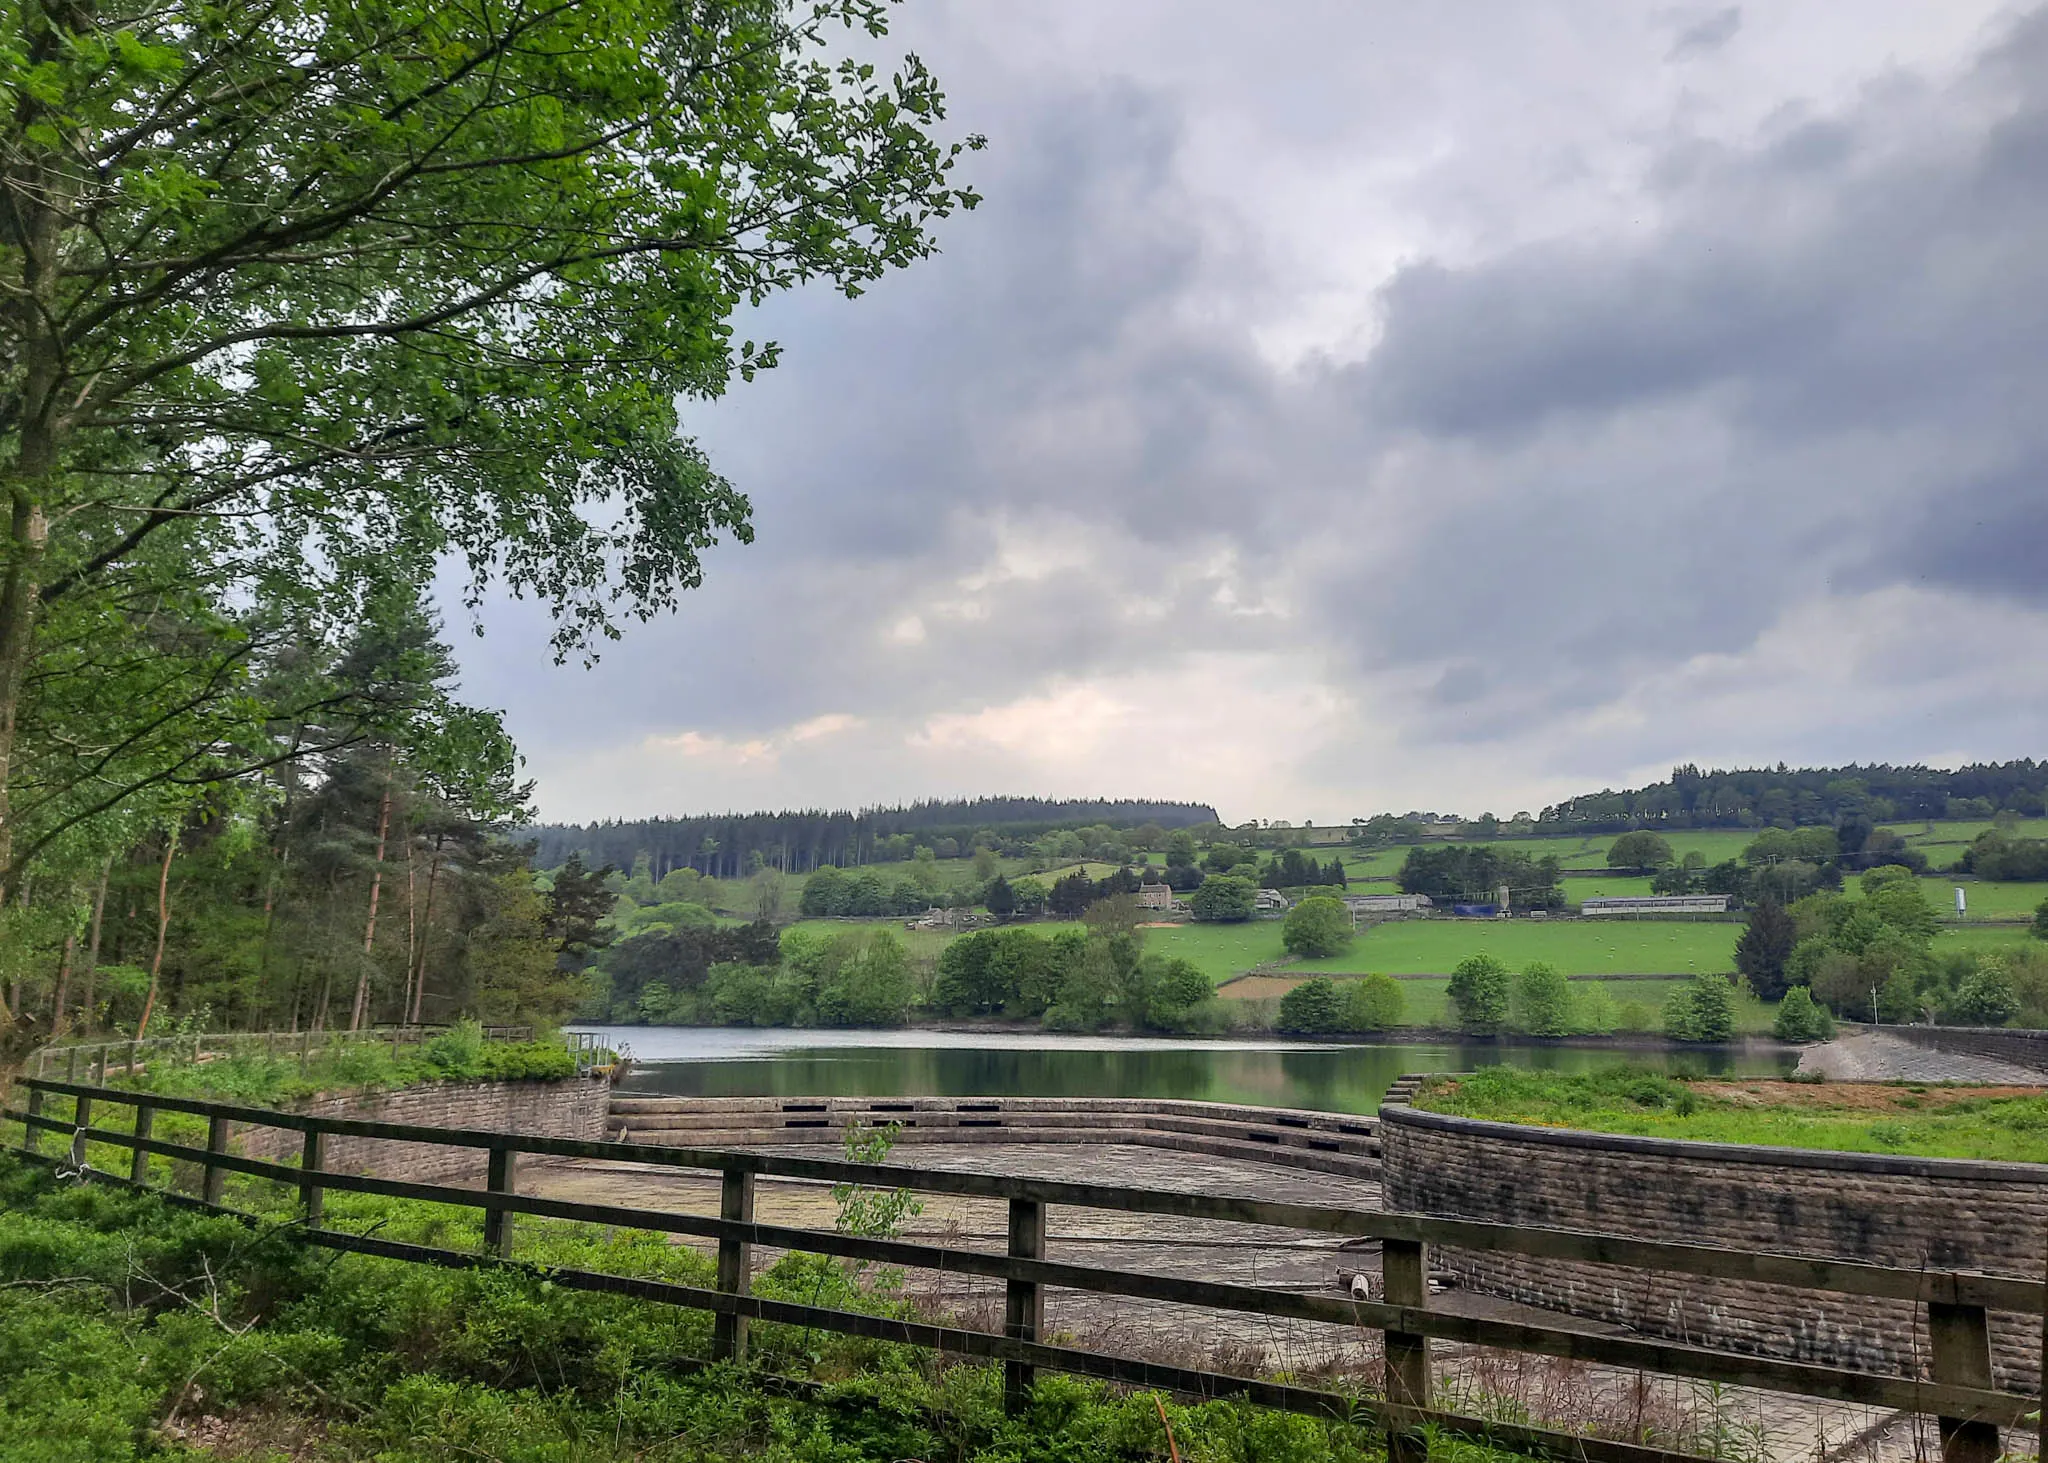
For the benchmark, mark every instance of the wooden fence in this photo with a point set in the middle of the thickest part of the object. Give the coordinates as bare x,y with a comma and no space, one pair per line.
1960,1394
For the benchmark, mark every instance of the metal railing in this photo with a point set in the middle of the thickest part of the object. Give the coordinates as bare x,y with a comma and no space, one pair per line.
1961,1392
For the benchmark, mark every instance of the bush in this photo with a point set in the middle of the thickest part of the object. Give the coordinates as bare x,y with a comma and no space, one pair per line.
2040,925
1702,1010
1543,1000
1640,850
1479,991
1800,1019
1320,925
1313,1007
1985,998
1372,1003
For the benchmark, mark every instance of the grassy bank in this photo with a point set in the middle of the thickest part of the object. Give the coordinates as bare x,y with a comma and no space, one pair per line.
1916,1118
251,1076
131,1331
1435,946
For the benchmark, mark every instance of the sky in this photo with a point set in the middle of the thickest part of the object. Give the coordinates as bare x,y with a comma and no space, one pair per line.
1338,408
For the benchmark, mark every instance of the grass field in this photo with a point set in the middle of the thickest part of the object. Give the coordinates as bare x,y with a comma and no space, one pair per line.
1609,886
1934,1122
1434,946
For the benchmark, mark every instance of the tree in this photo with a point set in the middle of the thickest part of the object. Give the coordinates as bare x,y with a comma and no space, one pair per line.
1985,998
367,290
1174,990
1764,947
1800,1019
1313,1007
1479,991
1543,1000
1372,1003
1640,850
2040,925
1318,926
578,905
1000,898
1225,898
1702,1010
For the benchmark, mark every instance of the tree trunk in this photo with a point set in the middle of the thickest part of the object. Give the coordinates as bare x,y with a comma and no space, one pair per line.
86,1006
355,1020
163,928
418,981
63,995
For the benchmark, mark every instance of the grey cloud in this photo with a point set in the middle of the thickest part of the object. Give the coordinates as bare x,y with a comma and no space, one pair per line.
1564,468
1704,34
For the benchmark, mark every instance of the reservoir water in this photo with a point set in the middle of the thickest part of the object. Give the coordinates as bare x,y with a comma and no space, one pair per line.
690,1061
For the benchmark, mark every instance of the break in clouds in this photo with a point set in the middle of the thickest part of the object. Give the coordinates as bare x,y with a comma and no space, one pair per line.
1390,411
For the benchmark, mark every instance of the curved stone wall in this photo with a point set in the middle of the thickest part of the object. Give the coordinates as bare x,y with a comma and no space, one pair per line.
1946,1214
1335,1143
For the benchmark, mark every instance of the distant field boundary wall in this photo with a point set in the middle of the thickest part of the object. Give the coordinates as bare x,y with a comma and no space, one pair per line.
2027,1049
1932,1213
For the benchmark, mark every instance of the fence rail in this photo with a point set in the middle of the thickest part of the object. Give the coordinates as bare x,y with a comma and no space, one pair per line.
1961,1395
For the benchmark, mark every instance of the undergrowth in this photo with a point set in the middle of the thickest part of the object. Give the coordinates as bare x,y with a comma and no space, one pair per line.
1920,1119
133,1330
259,1078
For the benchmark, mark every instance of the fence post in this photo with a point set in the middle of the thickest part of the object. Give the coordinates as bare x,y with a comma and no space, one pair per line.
216,1178
131,1056
31,1135
1404,1277
503,1179
138,1158
312,1193
735,1264
81,1119
1023,1300
71,1064
1961,1343
99,1069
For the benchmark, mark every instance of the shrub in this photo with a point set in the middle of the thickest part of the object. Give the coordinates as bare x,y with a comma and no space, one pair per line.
1479,990
1800,1019
1701,1010
1985,998
1311,1007
1373,1003
1318,926
1543,1000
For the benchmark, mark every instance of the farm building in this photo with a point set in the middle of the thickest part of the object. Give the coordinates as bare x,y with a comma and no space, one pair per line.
1659,904
1270,901
1155,896
1360,904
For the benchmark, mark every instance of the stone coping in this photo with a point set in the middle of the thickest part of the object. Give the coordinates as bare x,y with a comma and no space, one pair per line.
1982,1170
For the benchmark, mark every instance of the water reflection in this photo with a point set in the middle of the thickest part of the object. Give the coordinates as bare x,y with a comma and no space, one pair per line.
699,1062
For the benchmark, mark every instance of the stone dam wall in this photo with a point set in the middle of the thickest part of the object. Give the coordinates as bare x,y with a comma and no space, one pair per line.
2021,1048
574,1107
1947,1214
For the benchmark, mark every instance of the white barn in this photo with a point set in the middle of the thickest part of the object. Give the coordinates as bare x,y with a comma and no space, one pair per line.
1386,903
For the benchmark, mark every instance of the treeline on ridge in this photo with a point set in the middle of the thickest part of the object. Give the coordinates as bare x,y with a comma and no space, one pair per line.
1802,796
731,845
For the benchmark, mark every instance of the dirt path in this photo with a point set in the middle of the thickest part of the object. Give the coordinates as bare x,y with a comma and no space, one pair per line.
1876,1056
